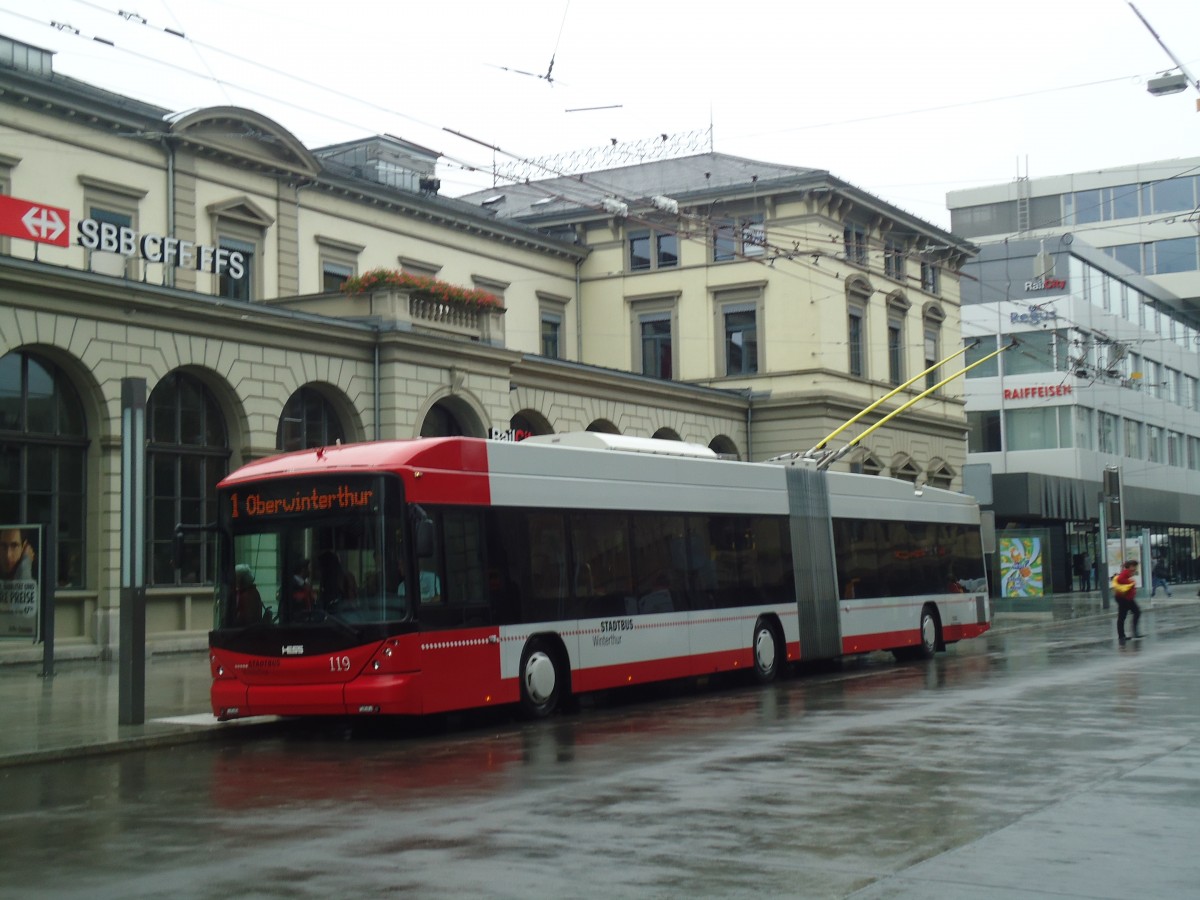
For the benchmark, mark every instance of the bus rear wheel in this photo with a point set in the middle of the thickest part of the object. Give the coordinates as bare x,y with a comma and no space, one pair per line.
768,654
542,680
929,634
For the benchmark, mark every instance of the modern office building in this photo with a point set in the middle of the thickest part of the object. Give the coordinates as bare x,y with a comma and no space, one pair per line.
1142,215
1104,373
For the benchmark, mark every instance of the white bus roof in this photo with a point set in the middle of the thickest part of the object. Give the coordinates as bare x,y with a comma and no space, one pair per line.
595,440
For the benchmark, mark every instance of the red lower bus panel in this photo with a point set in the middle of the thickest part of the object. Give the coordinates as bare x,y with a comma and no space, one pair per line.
622,674
951,633
387,695
296,700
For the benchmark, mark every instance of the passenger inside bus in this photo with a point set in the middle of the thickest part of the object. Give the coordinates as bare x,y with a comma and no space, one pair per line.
431,585
247,602
302,596
336,586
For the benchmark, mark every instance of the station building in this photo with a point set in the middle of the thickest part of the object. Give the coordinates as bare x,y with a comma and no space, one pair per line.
203,255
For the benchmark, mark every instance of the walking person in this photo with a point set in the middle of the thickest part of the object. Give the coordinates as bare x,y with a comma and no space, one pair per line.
1083,572
1160,578
1124,588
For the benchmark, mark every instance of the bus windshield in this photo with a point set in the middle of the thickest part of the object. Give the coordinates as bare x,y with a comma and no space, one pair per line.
311,550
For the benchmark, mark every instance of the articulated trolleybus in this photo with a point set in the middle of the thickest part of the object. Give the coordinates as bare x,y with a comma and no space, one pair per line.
422,576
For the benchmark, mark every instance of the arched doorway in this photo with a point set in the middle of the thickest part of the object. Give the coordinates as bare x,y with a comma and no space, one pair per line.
527,423
43,455
724,447
451,417
603,426
308,420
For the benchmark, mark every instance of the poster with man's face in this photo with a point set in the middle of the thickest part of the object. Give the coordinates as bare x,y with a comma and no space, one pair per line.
20,597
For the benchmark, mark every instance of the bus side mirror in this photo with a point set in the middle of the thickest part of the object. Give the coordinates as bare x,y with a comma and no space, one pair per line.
423,535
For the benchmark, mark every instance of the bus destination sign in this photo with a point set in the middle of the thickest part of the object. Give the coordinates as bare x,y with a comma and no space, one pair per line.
292,500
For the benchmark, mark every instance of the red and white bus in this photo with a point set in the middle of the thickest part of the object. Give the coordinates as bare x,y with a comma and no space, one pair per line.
422,576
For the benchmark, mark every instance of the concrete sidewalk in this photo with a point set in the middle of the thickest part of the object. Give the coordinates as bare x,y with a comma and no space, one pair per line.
75,712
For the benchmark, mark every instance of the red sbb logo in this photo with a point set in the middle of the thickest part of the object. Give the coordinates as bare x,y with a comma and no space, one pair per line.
35,221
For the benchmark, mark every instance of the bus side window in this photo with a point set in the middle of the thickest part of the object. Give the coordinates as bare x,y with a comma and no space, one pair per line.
547,567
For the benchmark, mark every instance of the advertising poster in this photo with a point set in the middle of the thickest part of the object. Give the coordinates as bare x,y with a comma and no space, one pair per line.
1117,551
1021,567
20,594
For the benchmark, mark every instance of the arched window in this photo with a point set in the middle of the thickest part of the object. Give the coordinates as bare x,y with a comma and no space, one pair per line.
187,453
309,420
667,434
43,455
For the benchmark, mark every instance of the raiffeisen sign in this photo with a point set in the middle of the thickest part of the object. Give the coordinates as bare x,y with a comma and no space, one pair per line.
157,248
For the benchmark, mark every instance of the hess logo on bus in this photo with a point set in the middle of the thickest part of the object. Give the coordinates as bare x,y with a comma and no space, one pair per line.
292,650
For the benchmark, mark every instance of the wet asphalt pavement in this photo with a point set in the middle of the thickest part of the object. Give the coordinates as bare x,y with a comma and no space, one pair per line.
1040,762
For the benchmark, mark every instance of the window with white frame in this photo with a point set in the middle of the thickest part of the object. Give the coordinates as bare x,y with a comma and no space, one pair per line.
1174,448
1154,443
857,295
550,337
932,332
854,238
1133,439
897,315
339,262
894,259
650,249
115,205
931,278
1108,433
240,226
740,321
551,315
1085,430
654,336
739,238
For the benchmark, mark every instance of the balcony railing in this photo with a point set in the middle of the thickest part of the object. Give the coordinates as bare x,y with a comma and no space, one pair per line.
407,311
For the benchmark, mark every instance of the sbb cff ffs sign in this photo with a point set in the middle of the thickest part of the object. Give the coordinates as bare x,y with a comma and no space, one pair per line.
34,221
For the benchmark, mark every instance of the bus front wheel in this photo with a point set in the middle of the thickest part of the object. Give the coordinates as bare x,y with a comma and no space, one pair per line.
542,680
768,655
